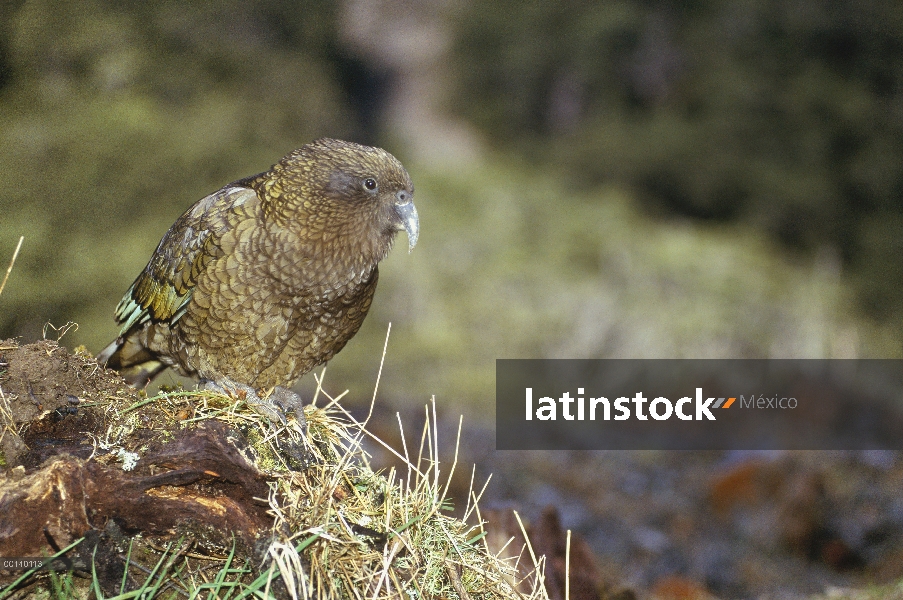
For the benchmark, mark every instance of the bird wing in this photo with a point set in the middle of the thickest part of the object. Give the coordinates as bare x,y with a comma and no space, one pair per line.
163,289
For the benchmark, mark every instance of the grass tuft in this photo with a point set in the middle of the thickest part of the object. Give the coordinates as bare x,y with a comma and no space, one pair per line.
340,529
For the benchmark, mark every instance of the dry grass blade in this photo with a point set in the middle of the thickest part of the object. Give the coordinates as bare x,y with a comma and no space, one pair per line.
11,263
356,533
567,568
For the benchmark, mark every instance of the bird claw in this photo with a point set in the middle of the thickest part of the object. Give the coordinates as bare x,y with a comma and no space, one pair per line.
286,400
274,408
272,411
281,401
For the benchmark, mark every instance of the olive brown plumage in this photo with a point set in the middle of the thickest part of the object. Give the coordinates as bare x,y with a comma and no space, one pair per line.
263,280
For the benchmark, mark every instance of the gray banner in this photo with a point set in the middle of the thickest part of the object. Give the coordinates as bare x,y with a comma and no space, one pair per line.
683,404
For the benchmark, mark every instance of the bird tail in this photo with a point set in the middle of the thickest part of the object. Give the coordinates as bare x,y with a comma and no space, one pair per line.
135,363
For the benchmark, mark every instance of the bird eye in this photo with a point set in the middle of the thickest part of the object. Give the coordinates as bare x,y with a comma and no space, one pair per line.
370,183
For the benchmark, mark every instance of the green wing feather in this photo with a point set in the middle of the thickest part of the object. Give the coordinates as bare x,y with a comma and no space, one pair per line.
163,289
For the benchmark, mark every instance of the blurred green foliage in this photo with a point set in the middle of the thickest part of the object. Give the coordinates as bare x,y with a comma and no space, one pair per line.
783,115
115,116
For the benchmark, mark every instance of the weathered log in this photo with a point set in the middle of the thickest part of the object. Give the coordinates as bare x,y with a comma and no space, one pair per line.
198,481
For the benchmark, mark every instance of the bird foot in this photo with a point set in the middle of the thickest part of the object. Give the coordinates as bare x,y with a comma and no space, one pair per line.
274,408
286,400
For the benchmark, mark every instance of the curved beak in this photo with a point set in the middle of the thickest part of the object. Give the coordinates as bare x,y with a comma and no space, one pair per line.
406,210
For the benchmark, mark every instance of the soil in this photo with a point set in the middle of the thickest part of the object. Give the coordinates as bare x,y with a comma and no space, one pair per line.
58,395
85,455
